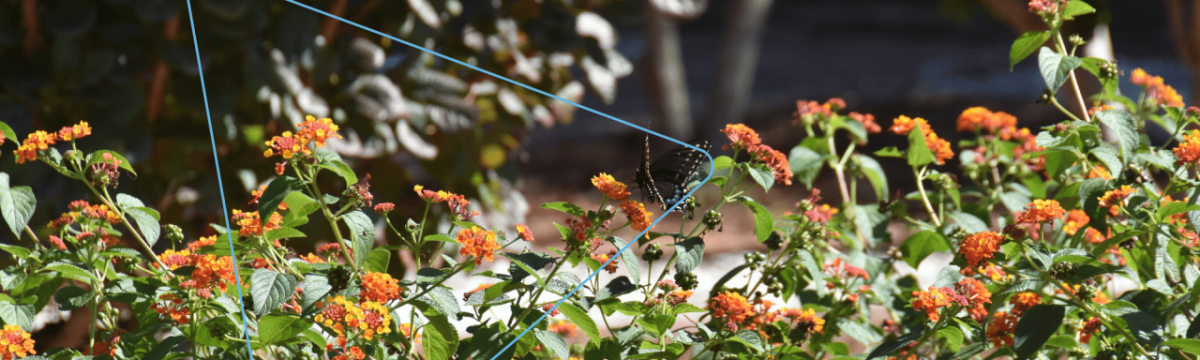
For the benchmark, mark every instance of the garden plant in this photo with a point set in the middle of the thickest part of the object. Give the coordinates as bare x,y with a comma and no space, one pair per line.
1064,245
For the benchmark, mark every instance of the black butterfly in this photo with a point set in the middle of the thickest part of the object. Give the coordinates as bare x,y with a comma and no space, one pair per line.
667,179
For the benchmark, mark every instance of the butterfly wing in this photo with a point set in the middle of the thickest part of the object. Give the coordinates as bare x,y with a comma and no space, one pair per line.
644,179
673,173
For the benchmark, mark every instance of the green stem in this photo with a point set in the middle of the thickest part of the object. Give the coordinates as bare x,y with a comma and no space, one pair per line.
921,189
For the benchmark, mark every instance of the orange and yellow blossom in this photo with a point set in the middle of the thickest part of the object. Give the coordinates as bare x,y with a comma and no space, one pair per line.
977,295
176,259
637,214
1024,301
777,161
342,315
251,224
1041,211
478,243
1076,219
212,270
15,343
741,136
1188,150
1115,198
731,306
805,319
930,301
380,287
980,246
940,147
1000,330
312,258
524,233
75,132
36,141
563,328
318,131
1156,88
980,118
610,187
202,242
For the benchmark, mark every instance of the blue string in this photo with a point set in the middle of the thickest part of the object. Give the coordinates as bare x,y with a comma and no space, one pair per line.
530,88
237,278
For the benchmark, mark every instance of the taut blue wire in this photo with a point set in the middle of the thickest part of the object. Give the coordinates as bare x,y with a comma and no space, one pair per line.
712,168
221,187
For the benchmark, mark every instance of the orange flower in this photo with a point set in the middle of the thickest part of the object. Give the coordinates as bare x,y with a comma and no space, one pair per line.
980,246
75,132
1089,328
1099,171
15,343
994,272
610,187
1114,199
175,260
777,161
37,141
731,306
1041,211
805,320
1188,150
213,270
1156,89
678,296
355,353
58,242
821,214
380,287
173,307
1001,328
202,242
932,300
741,136
637,214
563,328
287,146
368,319
312,258
478,243
1076,219
1024,301
980,118
602,258
318,130
903,125
977,295
524,233
384,207
406,329
252,225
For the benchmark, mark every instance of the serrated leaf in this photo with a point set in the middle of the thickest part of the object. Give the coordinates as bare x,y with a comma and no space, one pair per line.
968,222
581,319
278,329
72,297
630,259
377,260
553,342
565,207
276,192
16,205
1125,127
333,162
362,231
71,271
764,223
690,253
19,315
1055,67
918,246
270,289
1108,156
441,338
147,222
762,175
1025,45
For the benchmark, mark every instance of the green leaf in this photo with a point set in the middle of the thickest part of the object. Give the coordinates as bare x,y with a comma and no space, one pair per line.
332,161
1190,346
316,286
690,253
630,259
8,133
762,175
97,157
284,233
764,224
377,260
71,271
270,289
890,347
147,222
72,297
441,338
16,205
723,162
1062,341
1172,208
363,233
526,264
1076,8
164,348
1055,67
1035,327
890,151
1109,157
657,324
918,246
1025,45
968,222
750,338
806,163
918,152
875,174
1125,126
553,342
565,207
278,329
19,315
1057,161
276,191
17,251
953,336
581,319
1033,181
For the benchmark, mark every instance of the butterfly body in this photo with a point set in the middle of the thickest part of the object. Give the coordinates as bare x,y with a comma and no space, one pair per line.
665,180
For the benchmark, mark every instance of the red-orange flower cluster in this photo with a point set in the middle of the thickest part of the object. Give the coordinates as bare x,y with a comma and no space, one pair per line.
479,243
940,147
1188,150
610,187
1040,211
981,119
15,343
380,287
1155,88
1115,198
637,214
980,246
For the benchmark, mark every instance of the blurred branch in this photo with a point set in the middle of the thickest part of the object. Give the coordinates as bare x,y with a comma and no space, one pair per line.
1187,43
329,29
666,76
158,84
731,91
29,16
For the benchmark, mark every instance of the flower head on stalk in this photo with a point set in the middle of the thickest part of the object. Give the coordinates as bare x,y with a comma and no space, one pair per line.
775,160
15,343
1156,89
612,188
75,132
931,301
1188,150
35,142
1040,211
637,214
1115,198
732,307
903,125
380,287
980,246
524,233
478,243
740,136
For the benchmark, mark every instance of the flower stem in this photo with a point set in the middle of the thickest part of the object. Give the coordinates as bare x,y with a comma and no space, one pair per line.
921,189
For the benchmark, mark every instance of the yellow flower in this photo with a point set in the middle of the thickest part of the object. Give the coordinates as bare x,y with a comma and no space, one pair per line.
1076,219
610,187
75,132
478,243
637,214
1041,211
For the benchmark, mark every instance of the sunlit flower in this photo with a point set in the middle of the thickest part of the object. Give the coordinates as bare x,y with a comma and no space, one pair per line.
741,136
1088,329
902,125
58,242
406,329
318,130
1188,150
174,260
287,146
457,203
841,269
811,109
637,214
384,207
805,319
602,258
980,246
1023,301
821,214
15,343
610,187
981,119
36,141
75,132
478,243
930,301
1115,198
1000,330
732,307
212,270
252,225
994,272
202,242
374,319
678,296
1041,211
380,287
563,328
1156,89
524,233
1076,219
777,161
977,295
172,306
312,258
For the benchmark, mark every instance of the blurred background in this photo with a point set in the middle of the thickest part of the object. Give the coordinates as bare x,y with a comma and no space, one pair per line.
685,67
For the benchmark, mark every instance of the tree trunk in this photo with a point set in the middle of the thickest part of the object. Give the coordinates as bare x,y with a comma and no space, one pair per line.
732,89
666,77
